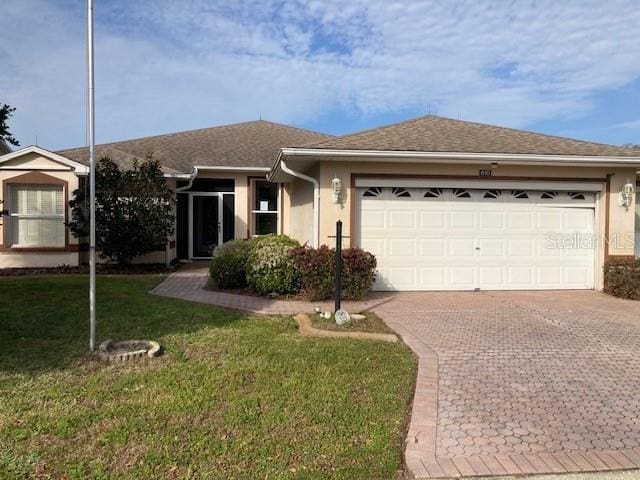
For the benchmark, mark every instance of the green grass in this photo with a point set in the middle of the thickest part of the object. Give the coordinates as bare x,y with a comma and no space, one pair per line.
234,396
372,323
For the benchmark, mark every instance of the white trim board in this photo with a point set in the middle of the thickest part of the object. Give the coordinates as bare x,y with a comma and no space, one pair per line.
464,157
233,169
482,184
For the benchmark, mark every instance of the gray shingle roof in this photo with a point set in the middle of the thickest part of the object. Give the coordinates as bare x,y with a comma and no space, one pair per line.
249,144
439,134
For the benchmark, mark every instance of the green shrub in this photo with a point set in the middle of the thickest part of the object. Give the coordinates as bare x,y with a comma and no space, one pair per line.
228,267
318,270
622,278
271,267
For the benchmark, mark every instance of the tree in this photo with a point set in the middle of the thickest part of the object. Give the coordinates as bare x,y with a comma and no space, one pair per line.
134,210
6,111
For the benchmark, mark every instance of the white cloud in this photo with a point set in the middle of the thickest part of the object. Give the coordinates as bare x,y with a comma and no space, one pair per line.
165,65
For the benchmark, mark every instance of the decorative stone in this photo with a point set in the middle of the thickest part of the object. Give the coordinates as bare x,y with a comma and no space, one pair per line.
342,317
326,315
317,309
127,350
358,316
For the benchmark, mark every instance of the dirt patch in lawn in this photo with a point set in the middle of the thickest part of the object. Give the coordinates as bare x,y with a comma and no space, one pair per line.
370,324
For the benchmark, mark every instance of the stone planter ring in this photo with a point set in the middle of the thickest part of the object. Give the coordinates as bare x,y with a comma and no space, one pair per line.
127,350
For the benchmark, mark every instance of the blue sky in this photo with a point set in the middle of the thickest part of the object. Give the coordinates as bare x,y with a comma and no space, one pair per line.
569,68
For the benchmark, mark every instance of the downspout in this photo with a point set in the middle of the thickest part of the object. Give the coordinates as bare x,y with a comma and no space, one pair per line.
316,200
193,176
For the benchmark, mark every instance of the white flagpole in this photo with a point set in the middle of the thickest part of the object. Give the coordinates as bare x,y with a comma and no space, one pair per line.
92,183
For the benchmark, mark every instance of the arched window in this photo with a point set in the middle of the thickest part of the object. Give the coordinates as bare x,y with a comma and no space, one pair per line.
492,194
372,192
433,193
461,193
400,192
519,194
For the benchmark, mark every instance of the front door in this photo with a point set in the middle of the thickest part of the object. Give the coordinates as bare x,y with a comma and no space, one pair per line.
211,222
206,225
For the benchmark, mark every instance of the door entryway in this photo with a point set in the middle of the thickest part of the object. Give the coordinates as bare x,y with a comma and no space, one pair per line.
212,217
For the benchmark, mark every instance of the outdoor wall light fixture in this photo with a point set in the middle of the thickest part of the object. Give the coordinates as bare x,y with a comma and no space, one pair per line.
626,195
336,189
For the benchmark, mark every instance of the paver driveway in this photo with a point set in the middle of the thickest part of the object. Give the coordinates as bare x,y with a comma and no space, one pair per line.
521,382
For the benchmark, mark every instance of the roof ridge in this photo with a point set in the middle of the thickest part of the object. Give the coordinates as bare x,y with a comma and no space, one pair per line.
372,129
468,122
110,146
306,130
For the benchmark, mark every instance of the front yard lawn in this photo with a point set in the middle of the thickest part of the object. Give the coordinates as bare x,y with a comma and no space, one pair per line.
234,396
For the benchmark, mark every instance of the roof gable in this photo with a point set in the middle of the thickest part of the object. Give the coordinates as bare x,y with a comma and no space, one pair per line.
438,134
36,158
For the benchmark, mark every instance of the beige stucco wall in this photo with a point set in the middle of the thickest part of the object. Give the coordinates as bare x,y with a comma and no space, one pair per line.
38,260
621,221
32,162
299,195
28,164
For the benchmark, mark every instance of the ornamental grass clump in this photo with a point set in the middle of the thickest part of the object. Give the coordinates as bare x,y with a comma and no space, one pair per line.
271,268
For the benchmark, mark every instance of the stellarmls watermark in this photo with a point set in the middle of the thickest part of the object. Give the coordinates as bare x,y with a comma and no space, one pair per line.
577,240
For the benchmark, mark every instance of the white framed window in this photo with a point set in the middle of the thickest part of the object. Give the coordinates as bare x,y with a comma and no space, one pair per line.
265,207
36,214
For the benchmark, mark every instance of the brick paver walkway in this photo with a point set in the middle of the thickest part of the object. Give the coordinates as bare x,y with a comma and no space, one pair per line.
508,382
188,284
521,382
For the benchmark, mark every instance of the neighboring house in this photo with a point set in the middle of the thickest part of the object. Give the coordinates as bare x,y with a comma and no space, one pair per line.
443,204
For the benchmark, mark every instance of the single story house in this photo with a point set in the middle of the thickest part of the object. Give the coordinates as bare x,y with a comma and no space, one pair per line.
443,204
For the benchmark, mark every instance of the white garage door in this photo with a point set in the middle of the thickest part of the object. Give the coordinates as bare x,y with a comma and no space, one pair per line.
466,239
